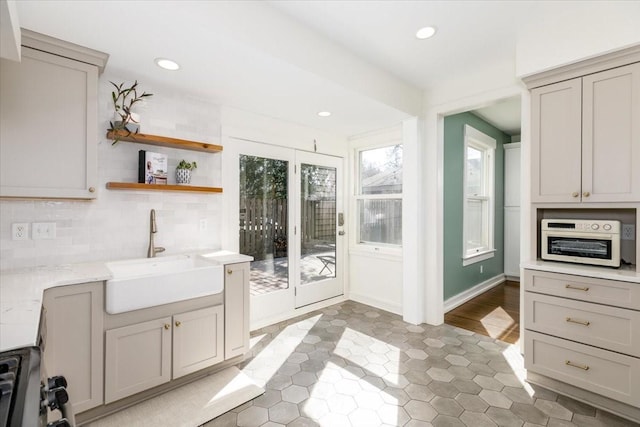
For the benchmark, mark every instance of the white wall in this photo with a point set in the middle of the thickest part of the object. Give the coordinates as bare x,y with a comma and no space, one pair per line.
376,280
573,33
116,224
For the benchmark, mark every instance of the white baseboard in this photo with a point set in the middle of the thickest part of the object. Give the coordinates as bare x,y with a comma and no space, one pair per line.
465,296
261,323
377,303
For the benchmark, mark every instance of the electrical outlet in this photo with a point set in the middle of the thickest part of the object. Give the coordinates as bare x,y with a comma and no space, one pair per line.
628,232
203,224
20,231
43,230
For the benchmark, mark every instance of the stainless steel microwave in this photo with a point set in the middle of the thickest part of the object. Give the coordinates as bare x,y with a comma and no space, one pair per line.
594,242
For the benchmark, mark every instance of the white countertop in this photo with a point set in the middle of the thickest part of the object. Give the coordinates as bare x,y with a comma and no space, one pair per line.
624,274
21,293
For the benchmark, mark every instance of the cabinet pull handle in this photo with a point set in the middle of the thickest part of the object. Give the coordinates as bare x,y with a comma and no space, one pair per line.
579,322
92,190
575,194
577,288
576,365
167,326
229,271
178,323
586,194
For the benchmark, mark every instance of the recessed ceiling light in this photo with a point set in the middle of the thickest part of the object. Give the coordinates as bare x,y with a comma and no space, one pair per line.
425,32
324,113
167,64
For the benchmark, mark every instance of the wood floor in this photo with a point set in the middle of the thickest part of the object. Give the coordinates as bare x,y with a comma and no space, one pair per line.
495,313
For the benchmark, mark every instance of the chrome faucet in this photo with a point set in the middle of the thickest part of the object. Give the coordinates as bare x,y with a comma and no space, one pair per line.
153,229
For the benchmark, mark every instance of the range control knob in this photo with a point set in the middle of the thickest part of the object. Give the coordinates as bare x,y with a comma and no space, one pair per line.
595,226
57,381
55,398
607,227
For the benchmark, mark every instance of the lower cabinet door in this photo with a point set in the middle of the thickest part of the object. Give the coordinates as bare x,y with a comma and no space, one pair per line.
236,306
138,357
74,324
198,340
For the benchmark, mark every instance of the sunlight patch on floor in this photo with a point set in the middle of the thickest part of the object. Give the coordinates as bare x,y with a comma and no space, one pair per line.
515,360
498,316
266,363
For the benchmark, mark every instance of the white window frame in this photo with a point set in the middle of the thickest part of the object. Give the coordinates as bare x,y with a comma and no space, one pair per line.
480,141
375,247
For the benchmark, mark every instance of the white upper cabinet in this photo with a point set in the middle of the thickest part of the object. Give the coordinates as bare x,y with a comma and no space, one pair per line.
585,138
611,135
48,121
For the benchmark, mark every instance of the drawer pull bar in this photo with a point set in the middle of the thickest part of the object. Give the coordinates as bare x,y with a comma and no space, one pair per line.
575,365
577,288
579,322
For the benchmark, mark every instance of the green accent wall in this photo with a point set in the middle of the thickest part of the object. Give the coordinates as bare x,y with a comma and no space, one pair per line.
456,277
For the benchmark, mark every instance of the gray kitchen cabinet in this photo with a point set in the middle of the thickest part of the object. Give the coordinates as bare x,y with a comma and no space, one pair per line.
48,120
584,332
74,340
585,138
236,309
138,357
198,340
146,354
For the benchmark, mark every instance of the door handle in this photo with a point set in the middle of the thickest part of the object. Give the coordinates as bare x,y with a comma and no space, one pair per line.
340,233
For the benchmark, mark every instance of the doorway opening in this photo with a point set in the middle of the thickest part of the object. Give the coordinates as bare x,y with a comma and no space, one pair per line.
482,214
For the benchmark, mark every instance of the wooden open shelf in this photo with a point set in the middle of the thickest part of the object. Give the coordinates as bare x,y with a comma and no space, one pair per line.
163,141
161,187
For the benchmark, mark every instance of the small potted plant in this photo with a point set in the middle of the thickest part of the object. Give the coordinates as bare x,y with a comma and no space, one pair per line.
124,99
183,171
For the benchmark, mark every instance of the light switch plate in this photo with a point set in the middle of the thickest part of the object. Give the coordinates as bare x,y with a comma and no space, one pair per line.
43,230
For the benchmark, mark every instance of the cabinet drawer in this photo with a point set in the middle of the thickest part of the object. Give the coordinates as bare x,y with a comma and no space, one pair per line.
610,292
611,328
610,374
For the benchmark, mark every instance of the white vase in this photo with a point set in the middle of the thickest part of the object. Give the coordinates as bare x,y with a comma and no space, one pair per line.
134,122
183,176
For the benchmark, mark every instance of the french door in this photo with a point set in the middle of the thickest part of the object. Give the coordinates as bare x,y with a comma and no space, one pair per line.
319,226
290,221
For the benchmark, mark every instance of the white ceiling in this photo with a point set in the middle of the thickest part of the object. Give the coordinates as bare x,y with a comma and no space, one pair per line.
503,114
290,59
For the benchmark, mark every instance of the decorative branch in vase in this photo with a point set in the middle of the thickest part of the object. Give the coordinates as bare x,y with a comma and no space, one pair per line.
124,99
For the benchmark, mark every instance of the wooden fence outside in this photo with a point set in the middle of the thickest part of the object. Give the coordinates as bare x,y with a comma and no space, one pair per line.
263,225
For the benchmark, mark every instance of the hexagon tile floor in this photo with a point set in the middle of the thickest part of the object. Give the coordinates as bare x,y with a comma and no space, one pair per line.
354,365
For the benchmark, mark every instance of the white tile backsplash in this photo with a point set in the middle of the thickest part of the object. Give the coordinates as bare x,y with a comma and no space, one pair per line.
116,224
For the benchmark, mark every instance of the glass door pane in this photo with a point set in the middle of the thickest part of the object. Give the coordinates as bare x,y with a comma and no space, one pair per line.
264,221
318,223
320,237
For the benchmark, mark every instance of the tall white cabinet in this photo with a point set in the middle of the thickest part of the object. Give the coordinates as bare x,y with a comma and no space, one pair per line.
512,210
581,322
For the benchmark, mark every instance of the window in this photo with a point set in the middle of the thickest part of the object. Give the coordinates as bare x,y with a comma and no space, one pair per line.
479,189
379,196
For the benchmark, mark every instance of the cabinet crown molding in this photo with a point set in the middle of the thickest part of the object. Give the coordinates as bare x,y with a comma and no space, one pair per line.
55,46
594,64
